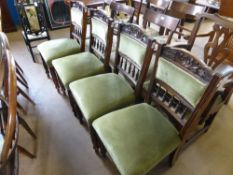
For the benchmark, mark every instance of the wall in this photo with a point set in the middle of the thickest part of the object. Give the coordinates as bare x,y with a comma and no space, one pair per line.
13,12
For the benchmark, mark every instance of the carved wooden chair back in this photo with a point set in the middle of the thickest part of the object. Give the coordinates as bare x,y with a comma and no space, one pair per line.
133,55
158,5
219,48
33,20
182,11
163,21
8,116
182,87
101,36
79,20
122,12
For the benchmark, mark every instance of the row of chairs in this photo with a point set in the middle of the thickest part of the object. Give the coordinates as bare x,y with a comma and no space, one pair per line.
107,97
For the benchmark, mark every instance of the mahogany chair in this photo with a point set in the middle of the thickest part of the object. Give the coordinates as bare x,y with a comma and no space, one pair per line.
183,11
34,25
95,96
169,120
93,62
166,26
57,48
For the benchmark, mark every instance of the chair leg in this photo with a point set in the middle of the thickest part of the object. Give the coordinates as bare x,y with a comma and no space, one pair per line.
26,126
25,152
55,78
21,108
45,67
94,139
25,95
31,51
61,85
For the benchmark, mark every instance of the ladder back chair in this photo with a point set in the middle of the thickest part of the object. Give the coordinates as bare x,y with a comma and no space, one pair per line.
94,96
146,133
183,11
34,25
57,48
95,61
8,116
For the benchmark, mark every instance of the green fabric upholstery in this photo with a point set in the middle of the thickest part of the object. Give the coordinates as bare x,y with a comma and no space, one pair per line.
137,138
101,94
77,66
132,48
58,48
76,16
188,86
99,28
150,32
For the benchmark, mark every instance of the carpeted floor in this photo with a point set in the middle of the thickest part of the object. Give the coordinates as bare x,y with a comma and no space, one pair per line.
63,146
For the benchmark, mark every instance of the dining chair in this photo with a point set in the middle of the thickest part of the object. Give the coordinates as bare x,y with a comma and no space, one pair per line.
163,28
33,22
139,137
158,5
183,11
57,48
92,62
94,96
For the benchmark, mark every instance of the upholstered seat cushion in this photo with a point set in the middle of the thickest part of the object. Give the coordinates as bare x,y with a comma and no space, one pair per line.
58,48
77,66
137,138
101,94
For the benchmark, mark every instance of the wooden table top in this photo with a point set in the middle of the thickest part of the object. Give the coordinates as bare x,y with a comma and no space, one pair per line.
92,3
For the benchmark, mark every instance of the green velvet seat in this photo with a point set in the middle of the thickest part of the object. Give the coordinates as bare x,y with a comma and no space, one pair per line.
101,94
137,138
77,66
58,48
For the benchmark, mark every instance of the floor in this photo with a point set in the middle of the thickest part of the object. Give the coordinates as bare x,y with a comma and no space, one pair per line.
63,146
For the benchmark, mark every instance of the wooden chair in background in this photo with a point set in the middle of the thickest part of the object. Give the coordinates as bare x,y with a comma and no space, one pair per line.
34,25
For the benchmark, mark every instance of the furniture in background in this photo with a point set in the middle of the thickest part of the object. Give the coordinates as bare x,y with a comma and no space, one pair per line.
226,8
6,20
58,13
34,25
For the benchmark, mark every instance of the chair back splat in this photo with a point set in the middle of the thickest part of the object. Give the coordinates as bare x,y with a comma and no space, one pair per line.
182,87
101,37
79,19
134,52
